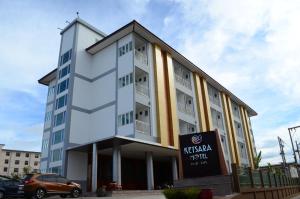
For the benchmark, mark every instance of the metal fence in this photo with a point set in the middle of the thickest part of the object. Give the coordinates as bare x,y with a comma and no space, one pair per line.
263,183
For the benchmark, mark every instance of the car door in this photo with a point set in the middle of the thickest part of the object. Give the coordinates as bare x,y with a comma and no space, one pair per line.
11,187
63,184
49,183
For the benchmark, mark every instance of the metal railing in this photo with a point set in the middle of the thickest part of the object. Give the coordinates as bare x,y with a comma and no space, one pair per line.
140,58
142,127
185,108
183,81
142,89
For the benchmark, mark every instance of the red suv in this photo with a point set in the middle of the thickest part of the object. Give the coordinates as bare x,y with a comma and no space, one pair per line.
42,185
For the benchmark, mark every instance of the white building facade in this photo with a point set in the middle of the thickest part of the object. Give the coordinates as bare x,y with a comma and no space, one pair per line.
118,103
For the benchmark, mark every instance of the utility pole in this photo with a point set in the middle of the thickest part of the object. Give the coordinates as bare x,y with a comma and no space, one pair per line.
281,145
290,133
297,146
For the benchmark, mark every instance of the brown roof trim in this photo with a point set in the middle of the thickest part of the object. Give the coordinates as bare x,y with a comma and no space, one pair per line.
174,52
48,78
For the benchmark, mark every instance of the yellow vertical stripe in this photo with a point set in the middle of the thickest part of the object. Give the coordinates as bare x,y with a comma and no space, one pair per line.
247,137
231,142
161,101
200,103
233,132
173,119
205,98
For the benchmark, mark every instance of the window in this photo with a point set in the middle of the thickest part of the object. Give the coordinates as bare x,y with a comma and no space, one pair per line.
63,72
126,118
56,170
16,170
224,144
58,136
18,154
45,144
49,178
126,80
17,162
65,57
7,153
36,163
6,161
62,86
27,155
59,118
242,150
235,109
26,162
62,101
51,90
213,95
48,116
36,155
238,129
125,48
5,169
62,180
56,155
217,119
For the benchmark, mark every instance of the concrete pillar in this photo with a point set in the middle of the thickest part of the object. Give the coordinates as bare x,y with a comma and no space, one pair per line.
174,169
150,176
117,165
94,167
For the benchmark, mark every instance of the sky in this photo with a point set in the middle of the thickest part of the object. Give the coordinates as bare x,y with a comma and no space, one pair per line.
251,47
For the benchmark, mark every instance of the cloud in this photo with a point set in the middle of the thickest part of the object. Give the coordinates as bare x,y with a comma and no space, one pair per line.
251,47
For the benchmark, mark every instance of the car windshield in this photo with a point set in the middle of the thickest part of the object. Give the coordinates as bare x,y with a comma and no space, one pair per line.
27,177
2,178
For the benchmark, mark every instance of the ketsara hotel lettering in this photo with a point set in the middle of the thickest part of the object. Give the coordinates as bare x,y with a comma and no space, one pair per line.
199,154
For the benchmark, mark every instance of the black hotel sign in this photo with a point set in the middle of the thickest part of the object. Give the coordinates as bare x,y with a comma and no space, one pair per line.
200,154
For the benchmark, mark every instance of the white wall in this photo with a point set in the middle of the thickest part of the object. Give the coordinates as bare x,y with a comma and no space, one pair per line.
104,60
77,165
67,40
85,38
90,127
125,94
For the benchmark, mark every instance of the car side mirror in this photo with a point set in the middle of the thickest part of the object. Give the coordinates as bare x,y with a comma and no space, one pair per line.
69,182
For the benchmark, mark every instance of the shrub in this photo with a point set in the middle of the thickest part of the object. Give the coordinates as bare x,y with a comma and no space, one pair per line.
190,193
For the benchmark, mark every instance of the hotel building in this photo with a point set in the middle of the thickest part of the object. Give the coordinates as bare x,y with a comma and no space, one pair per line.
14,161
117,103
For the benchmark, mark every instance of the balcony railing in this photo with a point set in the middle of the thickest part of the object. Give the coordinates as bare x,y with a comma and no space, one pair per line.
140,58
185,108
142,127
183,81
142,89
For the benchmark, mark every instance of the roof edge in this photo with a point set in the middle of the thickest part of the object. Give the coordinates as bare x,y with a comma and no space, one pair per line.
84,23
45,80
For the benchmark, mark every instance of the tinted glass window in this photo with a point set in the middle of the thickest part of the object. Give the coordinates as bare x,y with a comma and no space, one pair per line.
61,180
27,177
49,178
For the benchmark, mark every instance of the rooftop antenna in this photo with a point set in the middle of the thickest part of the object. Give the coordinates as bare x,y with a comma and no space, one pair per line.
77,13
67,22
59,29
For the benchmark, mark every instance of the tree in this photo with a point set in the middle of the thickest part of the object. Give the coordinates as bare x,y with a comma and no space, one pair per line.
26,170
257,160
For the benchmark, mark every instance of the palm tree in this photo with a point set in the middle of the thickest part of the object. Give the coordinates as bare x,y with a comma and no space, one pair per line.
257,160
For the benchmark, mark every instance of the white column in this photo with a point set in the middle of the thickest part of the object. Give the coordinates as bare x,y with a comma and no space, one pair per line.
117,165
150,176
94,167
174,169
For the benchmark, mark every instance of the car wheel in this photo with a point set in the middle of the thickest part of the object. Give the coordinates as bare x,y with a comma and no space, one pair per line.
1,195
63,195
40,193
75,193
